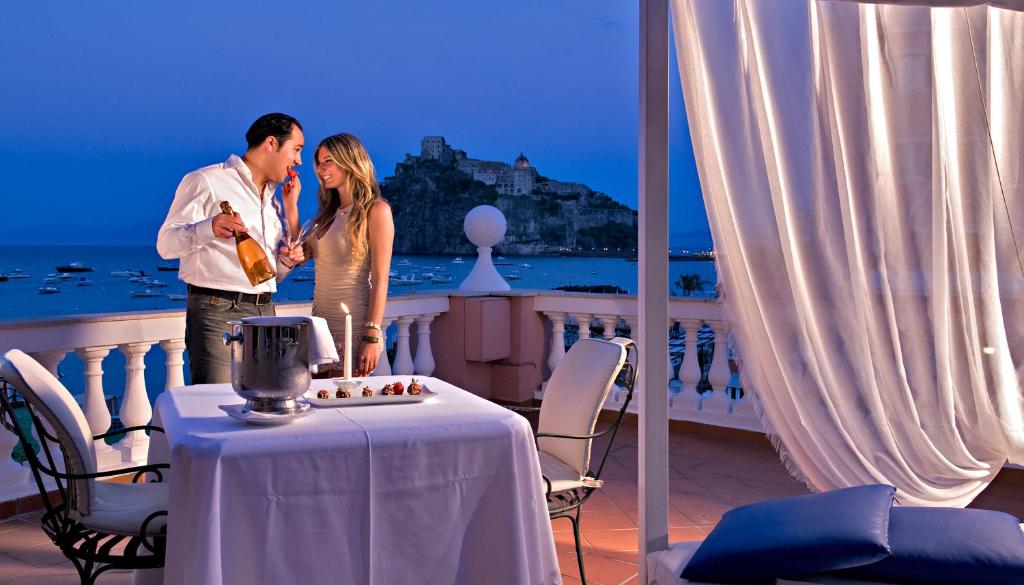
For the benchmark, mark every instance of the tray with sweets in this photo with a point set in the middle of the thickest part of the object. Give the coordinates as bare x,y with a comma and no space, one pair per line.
368,392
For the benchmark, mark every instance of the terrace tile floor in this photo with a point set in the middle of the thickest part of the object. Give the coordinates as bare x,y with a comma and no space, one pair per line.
710,472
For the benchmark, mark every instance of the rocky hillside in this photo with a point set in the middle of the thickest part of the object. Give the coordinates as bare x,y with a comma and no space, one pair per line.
430,201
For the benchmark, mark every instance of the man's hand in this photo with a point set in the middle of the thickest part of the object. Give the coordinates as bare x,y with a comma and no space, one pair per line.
290,255
225,225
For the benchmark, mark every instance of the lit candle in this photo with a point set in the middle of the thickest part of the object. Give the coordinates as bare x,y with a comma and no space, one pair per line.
348,341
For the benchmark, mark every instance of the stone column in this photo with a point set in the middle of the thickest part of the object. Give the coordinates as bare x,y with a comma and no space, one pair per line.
96,411
689,370
135,407
424,353
174,348
14,478
50,359
557,339
383,365
608,322
403,356
717,402
583,322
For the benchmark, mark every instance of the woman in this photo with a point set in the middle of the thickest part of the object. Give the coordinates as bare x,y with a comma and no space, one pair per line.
351,245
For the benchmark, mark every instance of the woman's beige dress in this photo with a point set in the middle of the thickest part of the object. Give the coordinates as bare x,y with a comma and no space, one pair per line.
338,281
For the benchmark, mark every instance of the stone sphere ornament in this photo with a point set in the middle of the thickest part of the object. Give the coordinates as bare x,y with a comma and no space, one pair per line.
485,226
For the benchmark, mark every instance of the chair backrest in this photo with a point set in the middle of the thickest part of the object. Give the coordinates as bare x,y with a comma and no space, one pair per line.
44,392
574,396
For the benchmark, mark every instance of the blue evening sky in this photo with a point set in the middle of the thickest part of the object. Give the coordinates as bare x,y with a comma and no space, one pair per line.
106,104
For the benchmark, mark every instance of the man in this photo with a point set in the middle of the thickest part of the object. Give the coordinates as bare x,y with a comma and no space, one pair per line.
197,232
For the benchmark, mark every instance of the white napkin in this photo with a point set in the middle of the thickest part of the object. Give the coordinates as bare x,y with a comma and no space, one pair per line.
321,342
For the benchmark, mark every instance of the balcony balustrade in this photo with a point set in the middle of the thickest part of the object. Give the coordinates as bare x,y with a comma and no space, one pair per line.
413,343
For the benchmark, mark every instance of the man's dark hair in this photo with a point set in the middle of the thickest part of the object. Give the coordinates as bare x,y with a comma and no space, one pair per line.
276,125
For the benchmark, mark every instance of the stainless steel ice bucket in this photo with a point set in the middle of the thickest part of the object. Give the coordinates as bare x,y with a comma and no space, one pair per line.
270,362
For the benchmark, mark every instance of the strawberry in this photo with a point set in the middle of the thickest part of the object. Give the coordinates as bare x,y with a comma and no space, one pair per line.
340,393
292,173
398,387
388,390
415,387
323,395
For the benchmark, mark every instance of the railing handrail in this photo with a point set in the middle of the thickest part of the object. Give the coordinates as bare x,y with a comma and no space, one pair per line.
77,331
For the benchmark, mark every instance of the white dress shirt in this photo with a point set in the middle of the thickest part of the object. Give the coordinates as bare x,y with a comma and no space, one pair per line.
187,232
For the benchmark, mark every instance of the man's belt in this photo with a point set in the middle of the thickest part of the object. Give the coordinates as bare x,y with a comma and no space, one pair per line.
238,297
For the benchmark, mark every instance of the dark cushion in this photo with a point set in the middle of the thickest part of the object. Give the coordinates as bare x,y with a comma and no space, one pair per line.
792,536
950,546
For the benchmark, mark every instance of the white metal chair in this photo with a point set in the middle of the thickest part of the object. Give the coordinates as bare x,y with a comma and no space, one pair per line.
568,416
97,525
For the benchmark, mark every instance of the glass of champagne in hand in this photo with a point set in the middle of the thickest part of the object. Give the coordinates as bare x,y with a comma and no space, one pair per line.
304,232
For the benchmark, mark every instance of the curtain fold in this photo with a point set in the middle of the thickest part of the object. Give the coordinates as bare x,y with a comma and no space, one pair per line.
861,166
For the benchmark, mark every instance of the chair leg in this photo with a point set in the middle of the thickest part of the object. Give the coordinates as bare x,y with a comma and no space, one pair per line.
576,536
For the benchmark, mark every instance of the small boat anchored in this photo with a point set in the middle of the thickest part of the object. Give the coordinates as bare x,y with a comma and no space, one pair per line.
145,293
48,290
74,267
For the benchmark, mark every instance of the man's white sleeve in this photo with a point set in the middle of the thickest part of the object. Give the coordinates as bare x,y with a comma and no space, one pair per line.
189,223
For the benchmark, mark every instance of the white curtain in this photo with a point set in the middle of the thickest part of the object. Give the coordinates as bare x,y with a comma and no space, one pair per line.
863,172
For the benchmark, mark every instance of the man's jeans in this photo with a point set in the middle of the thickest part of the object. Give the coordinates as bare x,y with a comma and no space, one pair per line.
206,322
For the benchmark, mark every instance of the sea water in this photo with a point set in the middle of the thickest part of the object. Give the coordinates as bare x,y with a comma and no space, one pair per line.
20,299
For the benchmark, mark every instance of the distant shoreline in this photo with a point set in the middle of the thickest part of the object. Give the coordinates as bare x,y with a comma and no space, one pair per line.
703,256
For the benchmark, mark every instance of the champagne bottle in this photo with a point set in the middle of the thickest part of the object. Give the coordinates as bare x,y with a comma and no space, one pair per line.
250,254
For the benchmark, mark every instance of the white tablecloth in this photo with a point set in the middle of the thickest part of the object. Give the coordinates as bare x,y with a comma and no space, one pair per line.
445,491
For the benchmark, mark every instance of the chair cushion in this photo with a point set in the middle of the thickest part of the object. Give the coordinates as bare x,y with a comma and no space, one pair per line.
562,476
120,508
574,396
793,536
950,546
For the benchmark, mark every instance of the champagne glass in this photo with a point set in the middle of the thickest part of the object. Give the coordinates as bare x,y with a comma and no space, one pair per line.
307,228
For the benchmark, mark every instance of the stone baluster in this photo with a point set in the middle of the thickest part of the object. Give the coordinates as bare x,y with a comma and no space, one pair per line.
719,374
634,333
383,365
135,407
14,478
583,322
557,339
403,355
608,322
686,401
96,411
50,359
424,353
668,333
717,402
689,370
174,350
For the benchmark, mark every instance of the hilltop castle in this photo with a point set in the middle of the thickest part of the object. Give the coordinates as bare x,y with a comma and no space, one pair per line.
519,178
544,216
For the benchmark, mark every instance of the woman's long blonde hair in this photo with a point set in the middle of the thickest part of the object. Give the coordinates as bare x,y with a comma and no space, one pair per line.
351,155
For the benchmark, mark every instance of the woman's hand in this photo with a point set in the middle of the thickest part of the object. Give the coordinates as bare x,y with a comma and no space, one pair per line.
291,255
366,360
291,188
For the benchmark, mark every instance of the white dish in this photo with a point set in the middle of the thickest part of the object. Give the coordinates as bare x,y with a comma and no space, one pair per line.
236,412
357,399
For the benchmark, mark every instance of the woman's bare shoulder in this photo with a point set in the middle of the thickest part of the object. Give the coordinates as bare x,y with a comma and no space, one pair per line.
380,208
